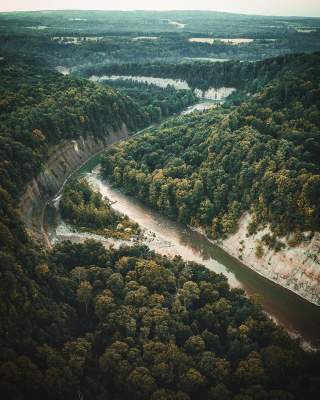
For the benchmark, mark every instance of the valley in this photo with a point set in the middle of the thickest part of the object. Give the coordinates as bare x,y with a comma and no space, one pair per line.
159,206
169,238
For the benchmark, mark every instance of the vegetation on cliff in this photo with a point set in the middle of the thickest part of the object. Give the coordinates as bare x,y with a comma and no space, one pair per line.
262,157
85,322
40,108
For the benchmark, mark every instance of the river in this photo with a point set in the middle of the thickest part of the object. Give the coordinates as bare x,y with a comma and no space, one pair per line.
167,237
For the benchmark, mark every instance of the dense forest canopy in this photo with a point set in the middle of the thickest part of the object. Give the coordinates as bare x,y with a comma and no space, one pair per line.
262,157
85,208
75,38
222,24
84,322
109,324
203,74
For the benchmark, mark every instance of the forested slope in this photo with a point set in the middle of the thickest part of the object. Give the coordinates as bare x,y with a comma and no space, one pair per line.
73,38
39,108
261,157
93,323
157,102
83,322
203,74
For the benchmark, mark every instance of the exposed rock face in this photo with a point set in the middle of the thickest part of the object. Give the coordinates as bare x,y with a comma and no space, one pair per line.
65,159
296,268
218,94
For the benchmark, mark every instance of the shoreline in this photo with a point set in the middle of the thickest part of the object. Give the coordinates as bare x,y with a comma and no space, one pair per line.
65,159
38,227
293,329
251,267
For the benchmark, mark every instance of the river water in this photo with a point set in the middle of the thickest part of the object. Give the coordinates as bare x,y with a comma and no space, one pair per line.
170,238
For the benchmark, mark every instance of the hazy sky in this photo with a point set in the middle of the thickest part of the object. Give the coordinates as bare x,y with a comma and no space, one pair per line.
266,7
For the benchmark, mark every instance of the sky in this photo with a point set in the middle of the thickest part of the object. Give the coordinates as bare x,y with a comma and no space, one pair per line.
263,7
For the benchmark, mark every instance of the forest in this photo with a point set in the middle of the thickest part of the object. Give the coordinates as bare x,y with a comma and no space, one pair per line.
81,321
78,50
84,208
43,108
263,157
82,38
86,322
157,102
203,74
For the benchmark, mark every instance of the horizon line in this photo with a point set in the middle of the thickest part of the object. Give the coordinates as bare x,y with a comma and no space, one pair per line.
156,10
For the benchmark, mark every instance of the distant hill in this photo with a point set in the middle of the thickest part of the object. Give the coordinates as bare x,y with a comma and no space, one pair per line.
73,38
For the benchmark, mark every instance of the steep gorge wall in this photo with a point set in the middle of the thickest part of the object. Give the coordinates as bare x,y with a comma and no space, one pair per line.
295,268
65,158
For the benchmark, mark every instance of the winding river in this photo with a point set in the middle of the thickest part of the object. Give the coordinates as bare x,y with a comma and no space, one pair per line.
167,237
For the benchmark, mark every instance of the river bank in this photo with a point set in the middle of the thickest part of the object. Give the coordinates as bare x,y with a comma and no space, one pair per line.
295,268
298,316
279,266
65,159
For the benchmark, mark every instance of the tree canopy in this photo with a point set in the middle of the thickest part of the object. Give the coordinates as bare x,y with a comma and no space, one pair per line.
85,322
208,169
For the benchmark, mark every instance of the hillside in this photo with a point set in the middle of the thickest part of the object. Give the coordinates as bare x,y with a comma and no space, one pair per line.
40,108
74,38
258,155
261,158
85,322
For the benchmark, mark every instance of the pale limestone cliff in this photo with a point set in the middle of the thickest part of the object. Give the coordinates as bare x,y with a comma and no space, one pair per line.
295,268
65,159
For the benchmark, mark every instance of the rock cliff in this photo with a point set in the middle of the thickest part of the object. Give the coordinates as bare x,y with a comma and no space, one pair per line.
65,158
295,268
